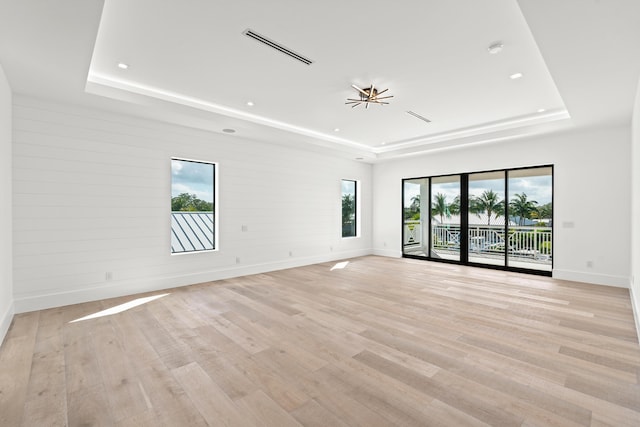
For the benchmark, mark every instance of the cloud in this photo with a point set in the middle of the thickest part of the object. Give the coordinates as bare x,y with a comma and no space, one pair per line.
192,178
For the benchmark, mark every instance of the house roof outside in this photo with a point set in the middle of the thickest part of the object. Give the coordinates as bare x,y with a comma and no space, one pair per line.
192,231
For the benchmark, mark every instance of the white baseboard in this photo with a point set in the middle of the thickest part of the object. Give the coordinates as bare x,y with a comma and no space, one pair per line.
596,279
5,321
388,253
635,306
59,298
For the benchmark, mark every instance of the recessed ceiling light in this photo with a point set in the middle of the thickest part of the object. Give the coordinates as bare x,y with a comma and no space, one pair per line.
250,103
515,76
495,48
336,130
542,110
383,143
122,65
229,130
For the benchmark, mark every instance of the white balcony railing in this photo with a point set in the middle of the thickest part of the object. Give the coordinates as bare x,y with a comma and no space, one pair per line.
522,241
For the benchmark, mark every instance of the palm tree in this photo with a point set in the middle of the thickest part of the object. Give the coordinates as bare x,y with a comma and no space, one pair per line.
440,207
454,207
415,203
521,207
488,202
545,211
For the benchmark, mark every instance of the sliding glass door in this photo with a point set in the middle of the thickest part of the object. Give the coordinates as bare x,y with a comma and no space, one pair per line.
415,215
530,214
497,219
486,214
445,217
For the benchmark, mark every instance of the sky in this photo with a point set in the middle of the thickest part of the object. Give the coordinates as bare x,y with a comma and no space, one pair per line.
348,187
536,188
193,178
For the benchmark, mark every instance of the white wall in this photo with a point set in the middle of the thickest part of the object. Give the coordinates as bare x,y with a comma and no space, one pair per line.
635,212
6,281
592,174
92,195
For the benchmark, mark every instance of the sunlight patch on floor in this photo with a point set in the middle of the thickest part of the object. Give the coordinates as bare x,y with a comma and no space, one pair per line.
120,308
339,266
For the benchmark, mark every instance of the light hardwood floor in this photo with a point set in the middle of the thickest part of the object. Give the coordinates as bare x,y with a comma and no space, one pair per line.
382,342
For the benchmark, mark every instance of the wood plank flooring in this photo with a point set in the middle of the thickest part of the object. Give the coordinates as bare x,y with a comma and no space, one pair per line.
381,342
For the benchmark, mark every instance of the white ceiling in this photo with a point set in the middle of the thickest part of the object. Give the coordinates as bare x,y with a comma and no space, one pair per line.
190,63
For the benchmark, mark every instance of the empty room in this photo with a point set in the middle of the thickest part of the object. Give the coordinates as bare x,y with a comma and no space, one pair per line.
280,213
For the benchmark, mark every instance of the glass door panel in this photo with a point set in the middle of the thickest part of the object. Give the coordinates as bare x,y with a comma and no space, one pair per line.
445,217
486,218
530,210
415,226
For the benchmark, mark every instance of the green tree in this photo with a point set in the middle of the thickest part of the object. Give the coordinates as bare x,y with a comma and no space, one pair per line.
488,202
545,211
415,203
348,208
413,210
440,207
521,207
186,202
454,207
348,215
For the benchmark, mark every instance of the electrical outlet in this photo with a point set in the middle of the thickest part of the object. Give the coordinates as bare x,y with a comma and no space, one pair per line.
108,276
237,260
589,264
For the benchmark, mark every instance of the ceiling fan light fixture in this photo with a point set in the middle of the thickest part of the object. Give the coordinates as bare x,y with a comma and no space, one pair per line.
367,96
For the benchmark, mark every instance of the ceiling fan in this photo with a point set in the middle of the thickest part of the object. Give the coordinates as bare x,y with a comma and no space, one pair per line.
370,95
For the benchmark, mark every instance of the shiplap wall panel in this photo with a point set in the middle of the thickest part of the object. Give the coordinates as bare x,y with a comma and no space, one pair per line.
92,196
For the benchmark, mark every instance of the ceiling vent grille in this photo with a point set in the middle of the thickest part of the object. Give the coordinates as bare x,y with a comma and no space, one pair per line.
418,116
262,39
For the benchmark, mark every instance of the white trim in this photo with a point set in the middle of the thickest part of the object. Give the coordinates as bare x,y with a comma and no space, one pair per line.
41,301
596,279
388,253
97,83
636,310
5,322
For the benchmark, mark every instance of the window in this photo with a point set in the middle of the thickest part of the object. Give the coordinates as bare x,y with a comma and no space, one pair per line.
497,219
193,221
349,208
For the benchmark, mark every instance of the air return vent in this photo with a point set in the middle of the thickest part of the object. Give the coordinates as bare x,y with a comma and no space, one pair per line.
418,116
262,39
